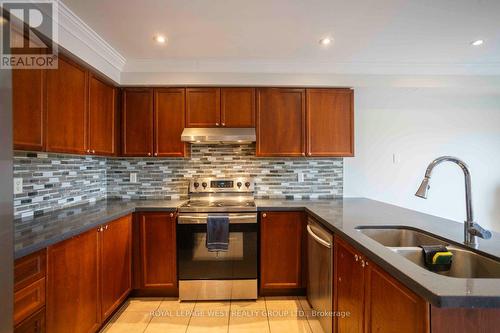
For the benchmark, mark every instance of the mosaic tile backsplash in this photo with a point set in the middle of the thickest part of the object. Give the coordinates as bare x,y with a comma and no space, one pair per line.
274,178
54,181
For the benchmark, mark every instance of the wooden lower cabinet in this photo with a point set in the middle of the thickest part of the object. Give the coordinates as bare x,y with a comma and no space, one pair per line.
349,287
73,285
376,302
391,307
116,264
155,261
30,292
88,277
282,249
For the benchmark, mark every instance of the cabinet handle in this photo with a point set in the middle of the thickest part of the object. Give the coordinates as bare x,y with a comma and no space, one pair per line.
223,124
93,151
106,227
216,124
149,154
363,263
88,150
356,257
99,229
264,215
156,154
171,214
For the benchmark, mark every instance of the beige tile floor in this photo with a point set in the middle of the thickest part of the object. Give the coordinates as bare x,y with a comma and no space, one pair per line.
166,315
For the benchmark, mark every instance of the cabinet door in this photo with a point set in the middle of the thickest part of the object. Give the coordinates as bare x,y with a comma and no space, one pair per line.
66,126
116,264
349,289
280,122
391,307
158,251
238,107
169,122
281,257
102,117
72,285
137,138
330,124
202,107
28,99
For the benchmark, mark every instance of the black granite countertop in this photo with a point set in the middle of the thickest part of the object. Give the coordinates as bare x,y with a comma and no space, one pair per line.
340,216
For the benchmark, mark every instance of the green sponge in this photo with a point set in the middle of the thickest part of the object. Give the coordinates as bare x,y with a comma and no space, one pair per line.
442,258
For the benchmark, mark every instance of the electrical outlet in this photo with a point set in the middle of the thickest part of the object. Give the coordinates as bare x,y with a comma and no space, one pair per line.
300,177
18,185
133,178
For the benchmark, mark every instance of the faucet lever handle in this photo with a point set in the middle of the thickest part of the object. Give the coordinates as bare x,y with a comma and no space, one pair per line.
476,230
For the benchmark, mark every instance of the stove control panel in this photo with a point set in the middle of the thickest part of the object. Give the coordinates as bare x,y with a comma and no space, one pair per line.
213,185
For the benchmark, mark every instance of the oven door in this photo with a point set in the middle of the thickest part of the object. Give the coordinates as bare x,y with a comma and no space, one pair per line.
195,262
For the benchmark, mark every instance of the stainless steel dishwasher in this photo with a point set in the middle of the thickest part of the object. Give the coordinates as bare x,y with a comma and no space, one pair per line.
320,273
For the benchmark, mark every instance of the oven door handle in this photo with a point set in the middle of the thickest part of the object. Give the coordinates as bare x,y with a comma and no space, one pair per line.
193,219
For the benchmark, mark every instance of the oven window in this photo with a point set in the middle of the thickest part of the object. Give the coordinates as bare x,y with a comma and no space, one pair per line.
197,263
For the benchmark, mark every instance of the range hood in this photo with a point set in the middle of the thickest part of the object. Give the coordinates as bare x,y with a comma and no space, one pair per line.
218,135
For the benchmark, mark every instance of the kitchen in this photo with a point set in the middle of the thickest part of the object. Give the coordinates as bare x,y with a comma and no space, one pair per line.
268,178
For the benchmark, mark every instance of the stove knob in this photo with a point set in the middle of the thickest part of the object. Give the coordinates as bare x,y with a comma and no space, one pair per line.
247,184
239,184
204,185
196,185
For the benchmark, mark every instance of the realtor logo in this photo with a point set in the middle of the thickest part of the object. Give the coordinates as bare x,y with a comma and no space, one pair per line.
29,34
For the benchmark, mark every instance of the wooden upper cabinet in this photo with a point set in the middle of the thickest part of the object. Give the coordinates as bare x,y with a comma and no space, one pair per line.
72,285
281,261
28,99
137,126
66,126
102,117
169,122
349,287
280,122
157,252
330,122
408,312
238,107
203,107
116,264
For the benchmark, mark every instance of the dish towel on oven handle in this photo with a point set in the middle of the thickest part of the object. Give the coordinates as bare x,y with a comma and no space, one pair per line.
217,233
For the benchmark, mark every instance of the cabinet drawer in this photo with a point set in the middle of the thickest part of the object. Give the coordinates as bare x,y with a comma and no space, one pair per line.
33,324
29,269
29,300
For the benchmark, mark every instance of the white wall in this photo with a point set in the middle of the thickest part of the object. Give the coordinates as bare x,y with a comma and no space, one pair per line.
419,124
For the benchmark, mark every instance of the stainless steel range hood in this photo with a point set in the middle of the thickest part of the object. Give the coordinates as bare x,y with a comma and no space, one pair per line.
218,135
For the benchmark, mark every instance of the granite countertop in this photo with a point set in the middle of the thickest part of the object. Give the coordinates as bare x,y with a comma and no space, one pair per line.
340,216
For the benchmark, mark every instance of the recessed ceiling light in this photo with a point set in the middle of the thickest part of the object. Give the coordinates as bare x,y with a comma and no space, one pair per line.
160,39
477,42
325,41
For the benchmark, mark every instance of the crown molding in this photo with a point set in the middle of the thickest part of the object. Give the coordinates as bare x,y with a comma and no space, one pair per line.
274,66
80,39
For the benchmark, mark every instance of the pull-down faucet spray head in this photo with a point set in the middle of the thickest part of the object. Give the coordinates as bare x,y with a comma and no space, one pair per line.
423,188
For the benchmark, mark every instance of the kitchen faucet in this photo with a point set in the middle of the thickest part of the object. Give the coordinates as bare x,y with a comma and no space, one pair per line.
471,228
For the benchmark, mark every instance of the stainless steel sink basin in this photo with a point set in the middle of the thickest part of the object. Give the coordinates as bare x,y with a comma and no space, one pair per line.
400,236
405,241
466,264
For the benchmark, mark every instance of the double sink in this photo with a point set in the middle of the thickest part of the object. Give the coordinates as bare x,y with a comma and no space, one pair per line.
405,241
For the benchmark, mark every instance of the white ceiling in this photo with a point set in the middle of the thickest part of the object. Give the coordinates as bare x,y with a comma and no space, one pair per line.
370,37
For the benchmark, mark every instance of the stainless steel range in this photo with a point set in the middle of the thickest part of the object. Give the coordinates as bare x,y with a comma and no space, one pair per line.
215,275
